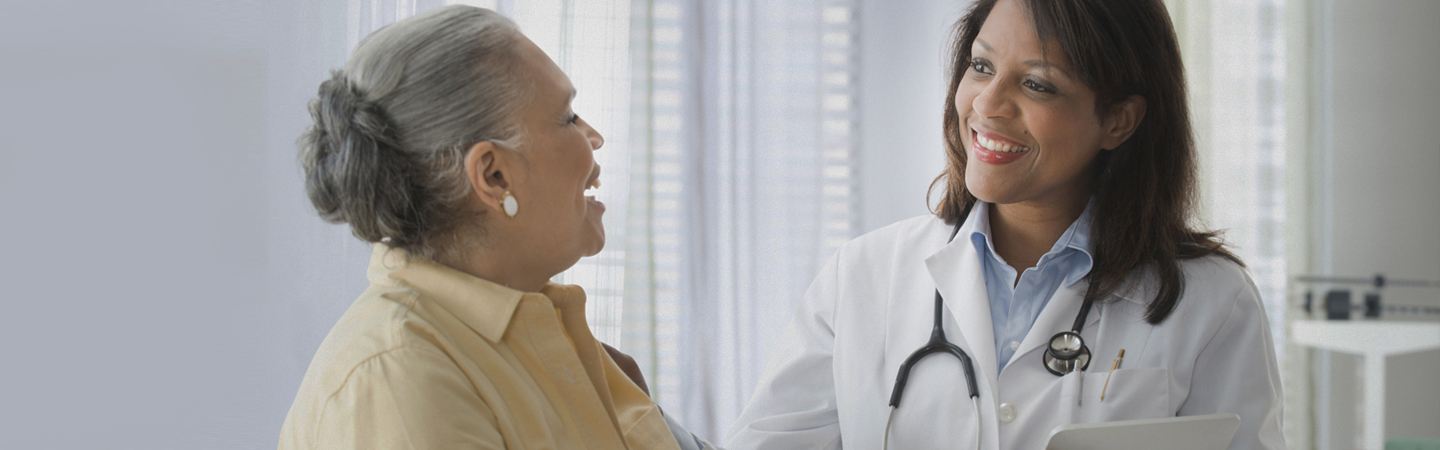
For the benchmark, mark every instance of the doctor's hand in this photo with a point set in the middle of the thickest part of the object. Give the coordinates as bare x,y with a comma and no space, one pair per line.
628,365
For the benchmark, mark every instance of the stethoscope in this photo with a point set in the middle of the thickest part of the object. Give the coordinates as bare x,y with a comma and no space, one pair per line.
1067,352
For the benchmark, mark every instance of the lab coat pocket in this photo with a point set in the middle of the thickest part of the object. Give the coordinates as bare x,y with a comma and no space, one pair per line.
1139,393
1071,387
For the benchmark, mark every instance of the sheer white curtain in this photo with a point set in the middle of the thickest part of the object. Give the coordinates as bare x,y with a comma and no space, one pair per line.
1235,58
741,186
1234,54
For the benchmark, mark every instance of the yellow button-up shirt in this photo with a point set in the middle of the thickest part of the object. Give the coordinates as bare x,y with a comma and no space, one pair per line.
433,358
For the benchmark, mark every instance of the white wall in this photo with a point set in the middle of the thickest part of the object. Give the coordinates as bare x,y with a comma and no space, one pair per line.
1379,202
903,51
140,144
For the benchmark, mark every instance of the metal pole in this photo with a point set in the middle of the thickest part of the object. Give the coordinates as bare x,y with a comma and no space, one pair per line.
1375,401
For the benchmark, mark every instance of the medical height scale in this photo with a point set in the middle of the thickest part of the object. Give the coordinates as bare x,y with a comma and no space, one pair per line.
1372,340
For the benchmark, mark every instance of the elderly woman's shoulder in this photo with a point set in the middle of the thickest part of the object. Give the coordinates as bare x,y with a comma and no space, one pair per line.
384,320
375,367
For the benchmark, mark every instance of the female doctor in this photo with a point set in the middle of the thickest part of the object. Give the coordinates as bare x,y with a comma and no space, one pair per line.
1063,239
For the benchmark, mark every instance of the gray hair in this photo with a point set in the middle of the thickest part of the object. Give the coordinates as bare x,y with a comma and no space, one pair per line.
386,152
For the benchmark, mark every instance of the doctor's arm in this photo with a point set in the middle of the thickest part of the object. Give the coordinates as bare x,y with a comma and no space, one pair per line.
794,404
1237,373
683,437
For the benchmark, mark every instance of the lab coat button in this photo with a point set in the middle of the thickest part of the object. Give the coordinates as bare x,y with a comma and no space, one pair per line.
1007,412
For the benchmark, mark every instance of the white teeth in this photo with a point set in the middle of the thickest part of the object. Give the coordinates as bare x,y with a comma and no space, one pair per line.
592,190
995,146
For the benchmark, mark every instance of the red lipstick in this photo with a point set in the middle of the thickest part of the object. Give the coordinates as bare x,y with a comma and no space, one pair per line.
991,156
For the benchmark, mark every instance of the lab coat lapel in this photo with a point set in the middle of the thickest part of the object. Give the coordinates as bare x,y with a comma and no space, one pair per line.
1058,315
960,279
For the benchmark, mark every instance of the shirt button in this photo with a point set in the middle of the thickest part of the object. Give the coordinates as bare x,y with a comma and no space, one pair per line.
1014,345
1007,412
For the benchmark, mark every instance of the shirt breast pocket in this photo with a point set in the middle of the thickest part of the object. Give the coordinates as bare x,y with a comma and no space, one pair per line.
1139,393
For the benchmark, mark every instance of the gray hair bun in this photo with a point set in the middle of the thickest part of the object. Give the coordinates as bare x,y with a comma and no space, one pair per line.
354,171
386,152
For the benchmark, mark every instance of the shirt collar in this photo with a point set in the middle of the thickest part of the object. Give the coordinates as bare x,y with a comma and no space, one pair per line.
483,305
1076,238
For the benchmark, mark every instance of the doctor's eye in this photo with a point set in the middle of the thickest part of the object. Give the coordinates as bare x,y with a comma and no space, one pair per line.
1039,86
981,66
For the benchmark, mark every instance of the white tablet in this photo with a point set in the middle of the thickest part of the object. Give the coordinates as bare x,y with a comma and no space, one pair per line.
1209,432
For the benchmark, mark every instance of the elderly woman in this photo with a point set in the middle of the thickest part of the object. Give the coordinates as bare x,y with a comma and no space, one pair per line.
449,142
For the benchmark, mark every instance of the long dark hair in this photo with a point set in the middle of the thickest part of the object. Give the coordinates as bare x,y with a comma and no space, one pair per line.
1145,190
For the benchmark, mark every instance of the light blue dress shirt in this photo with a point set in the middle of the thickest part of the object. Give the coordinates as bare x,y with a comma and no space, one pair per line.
1015,306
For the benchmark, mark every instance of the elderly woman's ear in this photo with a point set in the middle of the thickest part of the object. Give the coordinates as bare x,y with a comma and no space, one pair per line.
489,170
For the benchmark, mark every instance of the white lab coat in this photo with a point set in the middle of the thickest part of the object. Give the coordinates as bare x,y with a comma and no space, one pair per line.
829,382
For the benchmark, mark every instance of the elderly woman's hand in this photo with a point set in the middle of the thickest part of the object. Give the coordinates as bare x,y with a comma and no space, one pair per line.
628,365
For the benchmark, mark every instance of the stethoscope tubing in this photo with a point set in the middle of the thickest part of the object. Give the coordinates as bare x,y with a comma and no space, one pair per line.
939,344
974,401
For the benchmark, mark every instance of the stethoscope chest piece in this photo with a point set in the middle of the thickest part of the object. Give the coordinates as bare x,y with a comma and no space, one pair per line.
1066,353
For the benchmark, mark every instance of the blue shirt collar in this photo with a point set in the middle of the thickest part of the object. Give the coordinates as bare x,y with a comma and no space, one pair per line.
1076,238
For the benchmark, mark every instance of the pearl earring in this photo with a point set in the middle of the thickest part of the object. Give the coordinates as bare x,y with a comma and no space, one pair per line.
511,205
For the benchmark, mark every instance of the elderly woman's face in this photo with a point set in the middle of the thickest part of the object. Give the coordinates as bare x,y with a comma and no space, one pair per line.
557,216
1029,126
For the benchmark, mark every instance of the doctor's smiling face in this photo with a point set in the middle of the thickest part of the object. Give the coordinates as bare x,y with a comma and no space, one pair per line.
1029,126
